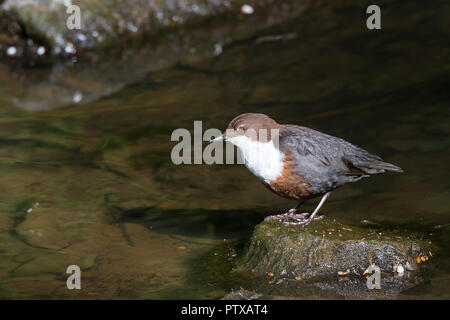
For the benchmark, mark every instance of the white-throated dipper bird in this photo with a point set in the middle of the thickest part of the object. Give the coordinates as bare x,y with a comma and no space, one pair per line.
297,162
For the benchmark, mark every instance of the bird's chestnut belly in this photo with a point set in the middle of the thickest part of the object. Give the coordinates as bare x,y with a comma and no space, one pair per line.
291,187
290,184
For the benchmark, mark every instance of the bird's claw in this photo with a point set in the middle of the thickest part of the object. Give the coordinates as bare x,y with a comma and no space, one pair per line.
302,222
291,218
287,216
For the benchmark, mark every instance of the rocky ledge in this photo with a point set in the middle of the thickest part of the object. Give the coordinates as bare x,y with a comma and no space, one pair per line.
42,26
329,260
328,248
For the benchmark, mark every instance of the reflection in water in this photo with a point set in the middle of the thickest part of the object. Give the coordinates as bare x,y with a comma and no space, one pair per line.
111,201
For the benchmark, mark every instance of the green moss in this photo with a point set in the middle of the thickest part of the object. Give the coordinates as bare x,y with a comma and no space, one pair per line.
330,229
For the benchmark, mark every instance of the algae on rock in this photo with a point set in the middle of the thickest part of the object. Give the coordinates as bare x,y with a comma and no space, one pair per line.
327,248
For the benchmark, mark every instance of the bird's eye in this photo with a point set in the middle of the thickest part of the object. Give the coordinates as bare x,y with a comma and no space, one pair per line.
241,128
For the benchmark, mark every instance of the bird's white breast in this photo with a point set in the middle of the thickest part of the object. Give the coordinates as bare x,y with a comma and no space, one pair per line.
263,159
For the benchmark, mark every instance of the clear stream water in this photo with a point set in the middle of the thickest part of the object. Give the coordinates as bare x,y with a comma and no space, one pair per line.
111,201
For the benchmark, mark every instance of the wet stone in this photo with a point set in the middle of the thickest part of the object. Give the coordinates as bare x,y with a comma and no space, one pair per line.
329,260
328,248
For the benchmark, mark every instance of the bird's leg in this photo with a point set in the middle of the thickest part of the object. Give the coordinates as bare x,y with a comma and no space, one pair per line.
291,214
312,217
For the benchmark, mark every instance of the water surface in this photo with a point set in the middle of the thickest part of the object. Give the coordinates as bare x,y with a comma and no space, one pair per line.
111,201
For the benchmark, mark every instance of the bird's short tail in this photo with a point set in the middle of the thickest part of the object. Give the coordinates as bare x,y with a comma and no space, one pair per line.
369,164
385,166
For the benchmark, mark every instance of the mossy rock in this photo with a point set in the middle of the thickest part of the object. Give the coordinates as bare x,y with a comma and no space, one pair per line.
327,247
106,23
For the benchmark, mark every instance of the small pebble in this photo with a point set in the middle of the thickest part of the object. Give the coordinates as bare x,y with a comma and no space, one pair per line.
11,51
247,9
132,27
77,97
218,49
343,278
40,51
400,269
81,37
70,48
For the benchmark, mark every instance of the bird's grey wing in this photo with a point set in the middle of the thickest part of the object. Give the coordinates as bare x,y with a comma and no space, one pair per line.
331,156
314,151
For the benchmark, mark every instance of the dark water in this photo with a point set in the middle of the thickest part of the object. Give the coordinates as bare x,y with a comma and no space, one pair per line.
111,201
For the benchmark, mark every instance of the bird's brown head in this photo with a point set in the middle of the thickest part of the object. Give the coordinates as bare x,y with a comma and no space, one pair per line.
256,126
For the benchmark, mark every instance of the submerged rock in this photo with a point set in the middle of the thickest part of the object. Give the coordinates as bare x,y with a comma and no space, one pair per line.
326,260
328,248
117,44
102,23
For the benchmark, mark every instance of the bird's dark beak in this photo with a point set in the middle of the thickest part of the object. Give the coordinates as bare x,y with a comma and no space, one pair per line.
219,138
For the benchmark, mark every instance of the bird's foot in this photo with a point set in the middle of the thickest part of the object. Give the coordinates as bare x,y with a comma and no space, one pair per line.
302,222
290,215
